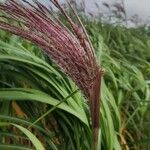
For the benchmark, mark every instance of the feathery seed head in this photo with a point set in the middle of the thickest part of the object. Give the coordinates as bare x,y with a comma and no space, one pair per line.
71,51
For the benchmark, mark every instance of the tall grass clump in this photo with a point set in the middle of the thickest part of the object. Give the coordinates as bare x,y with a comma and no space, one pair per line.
72,51
42,108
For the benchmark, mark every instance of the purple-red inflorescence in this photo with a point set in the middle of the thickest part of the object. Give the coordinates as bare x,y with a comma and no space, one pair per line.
72,51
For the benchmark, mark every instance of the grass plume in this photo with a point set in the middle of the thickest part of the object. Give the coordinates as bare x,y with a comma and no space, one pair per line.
72,51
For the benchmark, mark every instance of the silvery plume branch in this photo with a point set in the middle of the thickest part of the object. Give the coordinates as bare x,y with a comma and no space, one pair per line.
70,49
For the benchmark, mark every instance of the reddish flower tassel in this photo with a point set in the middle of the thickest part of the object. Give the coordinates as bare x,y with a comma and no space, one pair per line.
72,51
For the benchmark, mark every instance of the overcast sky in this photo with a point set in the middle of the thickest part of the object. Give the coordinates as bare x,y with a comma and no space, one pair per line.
139,7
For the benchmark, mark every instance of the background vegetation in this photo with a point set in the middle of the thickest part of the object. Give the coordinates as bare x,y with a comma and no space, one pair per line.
41,108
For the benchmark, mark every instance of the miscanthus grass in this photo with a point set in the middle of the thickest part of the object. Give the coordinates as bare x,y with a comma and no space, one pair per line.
70,49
